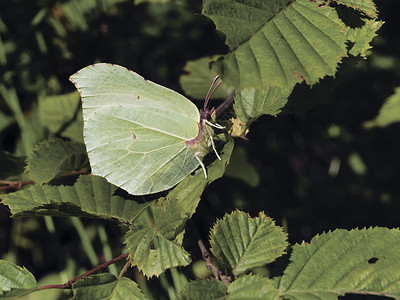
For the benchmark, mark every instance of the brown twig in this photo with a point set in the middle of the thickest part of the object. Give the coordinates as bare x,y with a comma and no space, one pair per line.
208,259
209,264
225,104
69,283
16,184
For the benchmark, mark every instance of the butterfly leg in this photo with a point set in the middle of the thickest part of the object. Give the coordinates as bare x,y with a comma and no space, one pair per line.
216,125
201,164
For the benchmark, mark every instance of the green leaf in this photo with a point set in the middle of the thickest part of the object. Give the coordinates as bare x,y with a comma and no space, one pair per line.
127,289
389,112
15,281
366,6
152,252
89,196
62,114
362,36
365,261
277,45
196,290
198,77
242,243
106,286
253,287
252,103
135,136
156,245
240,168
55,157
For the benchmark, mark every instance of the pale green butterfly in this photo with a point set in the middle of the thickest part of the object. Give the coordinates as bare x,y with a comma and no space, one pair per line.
139,135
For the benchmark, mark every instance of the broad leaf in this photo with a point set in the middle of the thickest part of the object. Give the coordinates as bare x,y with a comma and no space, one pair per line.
89,196
197,79
278,44
15,281
106,286
363,261
55,157
389,112
242,243
196,290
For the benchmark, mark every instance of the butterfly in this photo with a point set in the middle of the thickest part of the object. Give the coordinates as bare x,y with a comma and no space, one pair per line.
141,136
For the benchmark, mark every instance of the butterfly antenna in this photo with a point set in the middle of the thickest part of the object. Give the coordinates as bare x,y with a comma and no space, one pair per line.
211,91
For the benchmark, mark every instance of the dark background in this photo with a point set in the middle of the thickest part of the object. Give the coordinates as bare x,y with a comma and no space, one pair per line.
291,153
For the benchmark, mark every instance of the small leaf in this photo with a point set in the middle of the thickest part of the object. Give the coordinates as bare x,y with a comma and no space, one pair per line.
196,290
240,168
362,36
198,77
253,287
90,195
62,114
365,261
152,252
55,157
242,243
252,103
389,112
15,281
126,289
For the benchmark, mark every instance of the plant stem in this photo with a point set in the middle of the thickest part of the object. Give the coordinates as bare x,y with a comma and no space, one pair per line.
69,283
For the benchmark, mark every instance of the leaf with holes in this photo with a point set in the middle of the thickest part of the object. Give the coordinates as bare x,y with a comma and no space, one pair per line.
365,261
242,243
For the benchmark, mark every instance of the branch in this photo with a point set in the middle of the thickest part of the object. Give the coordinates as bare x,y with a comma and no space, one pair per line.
17,185
69,283
208,259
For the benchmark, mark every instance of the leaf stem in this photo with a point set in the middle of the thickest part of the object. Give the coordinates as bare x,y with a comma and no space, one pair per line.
69,283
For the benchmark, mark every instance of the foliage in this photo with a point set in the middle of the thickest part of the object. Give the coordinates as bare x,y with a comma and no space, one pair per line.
274,53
